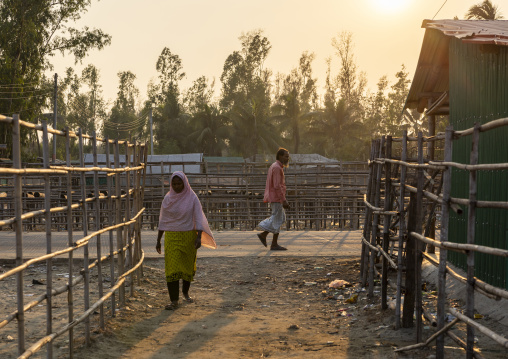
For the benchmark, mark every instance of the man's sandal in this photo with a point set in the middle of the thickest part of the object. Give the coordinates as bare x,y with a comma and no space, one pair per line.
262,239
278,248
171,306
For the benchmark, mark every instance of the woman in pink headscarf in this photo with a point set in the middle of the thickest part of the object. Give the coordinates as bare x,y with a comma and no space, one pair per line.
186,229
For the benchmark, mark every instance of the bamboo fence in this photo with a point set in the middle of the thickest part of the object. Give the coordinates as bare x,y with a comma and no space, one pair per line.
62,191
322,195
406,192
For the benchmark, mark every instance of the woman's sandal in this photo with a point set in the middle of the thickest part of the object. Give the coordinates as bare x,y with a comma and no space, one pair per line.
171,306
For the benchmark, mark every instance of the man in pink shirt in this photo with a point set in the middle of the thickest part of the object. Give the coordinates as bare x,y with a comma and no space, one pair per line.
275,193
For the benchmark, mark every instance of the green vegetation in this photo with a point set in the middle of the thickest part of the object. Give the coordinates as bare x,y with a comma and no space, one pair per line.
252,112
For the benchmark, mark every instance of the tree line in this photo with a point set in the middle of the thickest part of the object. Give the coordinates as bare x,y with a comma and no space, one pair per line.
253,112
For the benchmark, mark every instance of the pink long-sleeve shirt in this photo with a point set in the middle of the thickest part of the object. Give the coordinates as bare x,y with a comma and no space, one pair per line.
275,189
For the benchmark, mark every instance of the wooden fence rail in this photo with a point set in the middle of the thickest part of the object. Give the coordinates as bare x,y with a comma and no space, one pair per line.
424,193
62,199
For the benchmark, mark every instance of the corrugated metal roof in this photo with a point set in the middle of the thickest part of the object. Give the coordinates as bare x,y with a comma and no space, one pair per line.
431,77
184,157
473,31
215,159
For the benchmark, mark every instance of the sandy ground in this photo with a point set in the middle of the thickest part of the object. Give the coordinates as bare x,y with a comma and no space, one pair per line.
260,307
255,305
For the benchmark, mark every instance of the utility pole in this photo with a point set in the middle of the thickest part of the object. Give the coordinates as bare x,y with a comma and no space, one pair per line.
151,130
55,95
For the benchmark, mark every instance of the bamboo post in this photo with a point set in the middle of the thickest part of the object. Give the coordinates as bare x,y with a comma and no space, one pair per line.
18,210
445,215
386,222
97,227
70,288
367,222
152,220
471,223
118,214
402,228
127,232
431,151
49,261
207,186
409,296
136,208
162,179
419,246
375,223
110,223
248,202
142,197
317,210
86,270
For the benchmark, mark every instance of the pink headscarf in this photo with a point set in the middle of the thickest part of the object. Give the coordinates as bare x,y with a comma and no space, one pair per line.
183,212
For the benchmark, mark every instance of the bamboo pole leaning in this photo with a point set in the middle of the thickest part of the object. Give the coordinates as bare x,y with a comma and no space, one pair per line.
377,196
402,230
364,262
386,226
49,262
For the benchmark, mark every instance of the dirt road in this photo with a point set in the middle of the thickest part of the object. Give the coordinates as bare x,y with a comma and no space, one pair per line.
258,307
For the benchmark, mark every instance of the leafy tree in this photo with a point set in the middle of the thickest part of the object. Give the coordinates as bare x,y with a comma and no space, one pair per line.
243,77
245,95
351,84
336,132
80,101
393,120
124,121
198,96
95,104
170,72
376,108
484,11
171,125
296,101
340,130
30,33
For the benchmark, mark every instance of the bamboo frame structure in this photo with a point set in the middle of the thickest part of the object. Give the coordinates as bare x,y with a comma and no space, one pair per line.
435,192
47,212
322,196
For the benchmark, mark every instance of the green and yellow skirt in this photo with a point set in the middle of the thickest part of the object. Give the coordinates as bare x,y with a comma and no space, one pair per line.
180,255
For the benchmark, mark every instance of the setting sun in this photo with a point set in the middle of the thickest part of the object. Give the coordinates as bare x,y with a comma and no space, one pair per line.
389,6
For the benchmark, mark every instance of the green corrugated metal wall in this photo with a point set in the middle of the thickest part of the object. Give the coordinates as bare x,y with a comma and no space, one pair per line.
479,93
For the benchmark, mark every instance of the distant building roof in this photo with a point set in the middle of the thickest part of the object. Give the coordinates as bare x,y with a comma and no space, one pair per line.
431,79
295,158
170,162
223,159
184,157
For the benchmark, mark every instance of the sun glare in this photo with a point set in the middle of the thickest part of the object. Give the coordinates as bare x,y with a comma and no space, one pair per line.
390,6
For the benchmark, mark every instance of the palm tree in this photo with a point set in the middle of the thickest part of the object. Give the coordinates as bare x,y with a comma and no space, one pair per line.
338,132
484,11
290,117
210,131
252,130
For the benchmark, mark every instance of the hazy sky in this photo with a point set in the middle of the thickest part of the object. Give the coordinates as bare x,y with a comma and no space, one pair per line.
386,34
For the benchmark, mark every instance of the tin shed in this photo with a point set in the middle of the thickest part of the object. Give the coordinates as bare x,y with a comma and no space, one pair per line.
462,72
